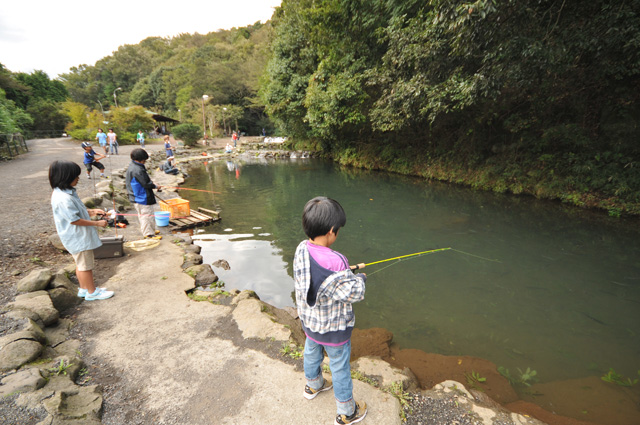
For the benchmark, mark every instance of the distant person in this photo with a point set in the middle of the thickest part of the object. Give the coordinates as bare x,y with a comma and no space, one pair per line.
234,137
91,159
74,226
113,141
229,148
264,132
168,149
326,288
102,140
140,138
140,190
168,167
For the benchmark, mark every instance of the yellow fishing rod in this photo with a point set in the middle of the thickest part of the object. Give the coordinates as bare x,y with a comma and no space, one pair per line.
403,256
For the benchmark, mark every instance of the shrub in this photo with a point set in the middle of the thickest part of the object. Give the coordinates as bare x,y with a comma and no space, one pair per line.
188,133
82,134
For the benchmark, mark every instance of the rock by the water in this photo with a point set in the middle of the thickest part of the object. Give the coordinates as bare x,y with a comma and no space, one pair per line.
255,323
223,264
371,342
202,274
193,248
191,259
385,374
37,280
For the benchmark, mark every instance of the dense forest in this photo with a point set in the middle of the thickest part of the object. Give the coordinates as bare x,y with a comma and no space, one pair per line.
526,96
523,96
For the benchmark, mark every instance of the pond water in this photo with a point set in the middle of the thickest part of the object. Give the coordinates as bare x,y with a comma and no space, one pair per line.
562,296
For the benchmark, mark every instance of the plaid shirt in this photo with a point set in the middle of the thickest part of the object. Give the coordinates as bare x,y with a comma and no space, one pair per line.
332,311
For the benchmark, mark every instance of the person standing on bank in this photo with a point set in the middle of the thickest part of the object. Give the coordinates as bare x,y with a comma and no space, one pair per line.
102,140
74,226
140,138
113,141
326,288
140,190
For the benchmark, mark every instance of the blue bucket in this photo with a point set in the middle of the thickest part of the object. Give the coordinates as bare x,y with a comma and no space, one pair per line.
162,218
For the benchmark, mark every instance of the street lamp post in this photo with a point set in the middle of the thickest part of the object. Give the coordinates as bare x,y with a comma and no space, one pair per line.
204,120
102,109
224,123
115,99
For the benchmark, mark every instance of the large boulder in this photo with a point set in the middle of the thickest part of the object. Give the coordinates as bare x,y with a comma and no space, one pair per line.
64,299
37,280
82,404
60,280
38,302
202,274
18,349
23,381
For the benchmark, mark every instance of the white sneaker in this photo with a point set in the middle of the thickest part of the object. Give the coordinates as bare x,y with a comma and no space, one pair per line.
83,292
99,294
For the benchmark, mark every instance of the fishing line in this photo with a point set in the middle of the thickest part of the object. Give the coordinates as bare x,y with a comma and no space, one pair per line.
420,254
195,190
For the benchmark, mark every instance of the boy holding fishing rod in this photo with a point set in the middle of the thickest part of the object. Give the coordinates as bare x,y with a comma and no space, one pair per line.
326,287
140,190
91,159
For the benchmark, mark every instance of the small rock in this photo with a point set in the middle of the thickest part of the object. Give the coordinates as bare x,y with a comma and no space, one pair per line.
223,264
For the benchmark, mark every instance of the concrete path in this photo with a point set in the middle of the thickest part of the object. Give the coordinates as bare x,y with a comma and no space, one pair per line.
162,358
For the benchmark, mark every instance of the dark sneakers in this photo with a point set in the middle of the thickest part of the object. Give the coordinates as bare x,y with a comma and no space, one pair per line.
310,393
357,416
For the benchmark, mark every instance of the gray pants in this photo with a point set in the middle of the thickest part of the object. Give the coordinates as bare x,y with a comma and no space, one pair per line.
147,219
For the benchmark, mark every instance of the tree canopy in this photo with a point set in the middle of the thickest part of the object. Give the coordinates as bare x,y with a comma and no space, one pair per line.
521,91
170,75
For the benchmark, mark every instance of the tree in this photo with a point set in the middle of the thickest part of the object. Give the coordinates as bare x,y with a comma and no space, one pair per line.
188,133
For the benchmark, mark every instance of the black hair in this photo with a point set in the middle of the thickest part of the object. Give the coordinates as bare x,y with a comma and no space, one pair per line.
320,215
139,154
62,173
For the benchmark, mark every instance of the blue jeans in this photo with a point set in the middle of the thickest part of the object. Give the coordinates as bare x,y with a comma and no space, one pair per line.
340,371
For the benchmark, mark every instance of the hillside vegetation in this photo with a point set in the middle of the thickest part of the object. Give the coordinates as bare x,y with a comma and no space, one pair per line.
526,96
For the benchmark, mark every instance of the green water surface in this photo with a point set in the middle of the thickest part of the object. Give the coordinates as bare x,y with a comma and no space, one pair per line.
564,298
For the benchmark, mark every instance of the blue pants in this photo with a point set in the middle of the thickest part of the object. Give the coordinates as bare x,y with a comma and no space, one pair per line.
340,371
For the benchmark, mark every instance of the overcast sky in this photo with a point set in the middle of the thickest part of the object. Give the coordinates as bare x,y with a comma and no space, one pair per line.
54,36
